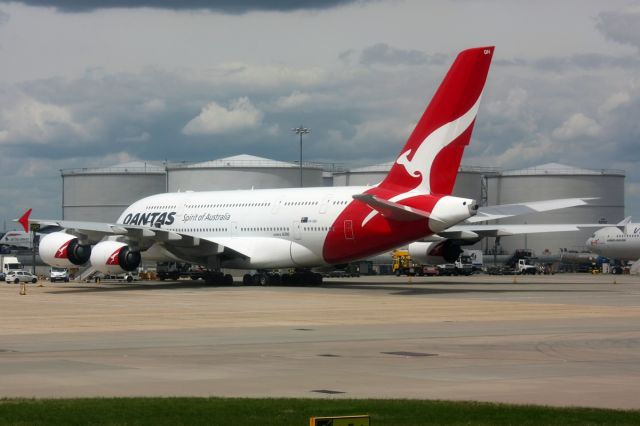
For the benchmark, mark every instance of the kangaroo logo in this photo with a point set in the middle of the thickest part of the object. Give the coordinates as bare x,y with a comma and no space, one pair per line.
113,259
420,163
61,253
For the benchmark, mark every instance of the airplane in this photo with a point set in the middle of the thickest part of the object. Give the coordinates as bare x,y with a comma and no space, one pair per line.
446,246
620,242
16,239
303,228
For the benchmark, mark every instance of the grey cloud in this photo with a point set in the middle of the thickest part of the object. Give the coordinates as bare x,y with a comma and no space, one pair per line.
587,61
4,17
223,6
590,61
347,55
621,26
382,53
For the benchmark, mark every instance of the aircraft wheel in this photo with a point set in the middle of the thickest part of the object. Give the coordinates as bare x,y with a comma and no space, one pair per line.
247,279
263,279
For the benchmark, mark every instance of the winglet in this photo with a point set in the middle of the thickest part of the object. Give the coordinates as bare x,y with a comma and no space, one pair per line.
24,220
624,221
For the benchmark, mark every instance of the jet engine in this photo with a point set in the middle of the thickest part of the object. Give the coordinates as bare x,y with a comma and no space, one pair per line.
63,250
113,257
445,251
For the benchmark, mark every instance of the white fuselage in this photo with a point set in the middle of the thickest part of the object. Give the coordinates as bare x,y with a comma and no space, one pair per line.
276,228
614,243
276,225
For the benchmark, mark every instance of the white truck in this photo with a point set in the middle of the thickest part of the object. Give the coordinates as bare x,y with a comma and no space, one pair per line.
526,266
10,264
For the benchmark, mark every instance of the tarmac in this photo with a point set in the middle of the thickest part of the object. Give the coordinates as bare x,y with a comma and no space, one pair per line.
562,340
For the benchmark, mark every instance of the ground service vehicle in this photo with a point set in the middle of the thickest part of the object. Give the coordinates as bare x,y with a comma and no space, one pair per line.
10,263
401,263
526,267
59,274
20,276
464,265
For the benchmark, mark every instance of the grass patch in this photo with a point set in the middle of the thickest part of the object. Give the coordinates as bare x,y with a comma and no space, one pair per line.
266,412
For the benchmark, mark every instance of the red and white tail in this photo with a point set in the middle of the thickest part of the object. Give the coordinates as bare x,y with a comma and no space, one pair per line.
430,159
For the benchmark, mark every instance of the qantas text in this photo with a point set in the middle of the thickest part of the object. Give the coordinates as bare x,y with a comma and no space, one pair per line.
152,219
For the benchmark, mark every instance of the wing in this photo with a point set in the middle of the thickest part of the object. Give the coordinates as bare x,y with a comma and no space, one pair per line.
146,236
477,231
518,209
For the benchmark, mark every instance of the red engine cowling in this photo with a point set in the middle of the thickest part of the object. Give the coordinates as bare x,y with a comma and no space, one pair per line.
63,250
113,257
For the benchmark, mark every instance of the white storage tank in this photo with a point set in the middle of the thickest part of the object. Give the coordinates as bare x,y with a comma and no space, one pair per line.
551,181
101,194
468,182
241,172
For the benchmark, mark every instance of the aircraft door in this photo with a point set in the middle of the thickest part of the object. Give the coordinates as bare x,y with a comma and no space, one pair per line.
296,231
276,206
348,230
234,229
324,204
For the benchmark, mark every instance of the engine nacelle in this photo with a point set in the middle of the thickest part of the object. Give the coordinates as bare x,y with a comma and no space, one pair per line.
113,257
435,253
63,250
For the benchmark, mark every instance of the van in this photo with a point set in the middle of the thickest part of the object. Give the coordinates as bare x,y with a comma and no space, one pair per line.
58,274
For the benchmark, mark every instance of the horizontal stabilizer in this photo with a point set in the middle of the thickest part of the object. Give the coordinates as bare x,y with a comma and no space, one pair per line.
393,211
474,232
518,209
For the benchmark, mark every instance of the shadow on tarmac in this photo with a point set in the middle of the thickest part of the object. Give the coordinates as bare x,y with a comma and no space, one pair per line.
409,289
400,289
108,287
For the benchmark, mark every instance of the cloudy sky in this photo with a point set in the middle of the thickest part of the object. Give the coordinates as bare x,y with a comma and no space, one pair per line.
89,83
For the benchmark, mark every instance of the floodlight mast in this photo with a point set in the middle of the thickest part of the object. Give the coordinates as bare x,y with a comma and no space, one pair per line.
301,131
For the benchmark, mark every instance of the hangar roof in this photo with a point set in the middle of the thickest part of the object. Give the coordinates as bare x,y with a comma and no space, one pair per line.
242,160
560,169
137,167
385,167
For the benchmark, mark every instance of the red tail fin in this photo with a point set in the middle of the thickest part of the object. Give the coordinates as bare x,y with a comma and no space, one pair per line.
24,220
431,157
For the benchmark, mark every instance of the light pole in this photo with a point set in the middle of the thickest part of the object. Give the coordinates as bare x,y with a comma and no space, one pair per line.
301,131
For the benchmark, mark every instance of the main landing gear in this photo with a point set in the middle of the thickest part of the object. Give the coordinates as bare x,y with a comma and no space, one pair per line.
217,278
298,278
